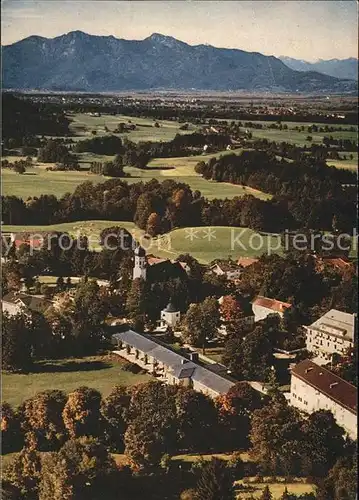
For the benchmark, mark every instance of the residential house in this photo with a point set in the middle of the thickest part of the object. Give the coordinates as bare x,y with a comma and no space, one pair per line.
226,268
264,306
335,332
314,388
16,302
340,264
167,365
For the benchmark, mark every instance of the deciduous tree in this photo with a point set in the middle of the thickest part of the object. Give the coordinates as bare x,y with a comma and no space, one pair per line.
201,322
23,473
81,413
82,468
42,420
16,342
115,409
11,435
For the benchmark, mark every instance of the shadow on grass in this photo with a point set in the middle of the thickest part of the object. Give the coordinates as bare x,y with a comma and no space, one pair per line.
69,366
160,168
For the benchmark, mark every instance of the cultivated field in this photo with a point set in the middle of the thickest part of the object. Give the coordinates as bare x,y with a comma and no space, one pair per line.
300,137
97,372
83,124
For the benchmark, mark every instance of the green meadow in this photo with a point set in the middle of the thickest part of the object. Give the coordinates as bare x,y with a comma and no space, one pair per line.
37,180
204,243
98,372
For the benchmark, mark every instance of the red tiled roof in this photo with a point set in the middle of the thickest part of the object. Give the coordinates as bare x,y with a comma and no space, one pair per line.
273,304
326,382
338,262
152,260
35,243
155,260
246,261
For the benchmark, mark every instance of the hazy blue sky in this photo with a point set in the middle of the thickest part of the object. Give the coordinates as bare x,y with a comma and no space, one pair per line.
303,29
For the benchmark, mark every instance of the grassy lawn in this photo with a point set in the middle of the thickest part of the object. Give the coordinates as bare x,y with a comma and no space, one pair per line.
253,489
91,229
37,180
209,243
224,241
214,353
98,372
300,138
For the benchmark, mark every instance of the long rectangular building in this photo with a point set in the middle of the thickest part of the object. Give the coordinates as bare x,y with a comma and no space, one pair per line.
314,388
169,366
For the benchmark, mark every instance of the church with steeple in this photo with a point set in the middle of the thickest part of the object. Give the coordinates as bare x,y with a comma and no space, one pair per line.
140,267
155,268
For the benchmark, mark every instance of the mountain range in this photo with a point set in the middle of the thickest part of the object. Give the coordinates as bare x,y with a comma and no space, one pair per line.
77,61
339,68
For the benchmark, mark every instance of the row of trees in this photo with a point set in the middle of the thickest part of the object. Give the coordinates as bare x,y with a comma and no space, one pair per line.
160,207
55,151
109,168
19,166
152,421
138,155
81,468
145,421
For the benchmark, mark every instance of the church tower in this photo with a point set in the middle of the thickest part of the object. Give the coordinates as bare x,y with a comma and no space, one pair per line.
139,271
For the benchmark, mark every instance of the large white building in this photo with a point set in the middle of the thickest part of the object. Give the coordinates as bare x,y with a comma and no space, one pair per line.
332,333
314,388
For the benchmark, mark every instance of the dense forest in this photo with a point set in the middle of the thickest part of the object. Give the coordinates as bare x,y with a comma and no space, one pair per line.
310,191
22,120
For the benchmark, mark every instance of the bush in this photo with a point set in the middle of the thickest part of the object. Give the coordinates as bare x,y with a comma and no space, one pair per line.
188,494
